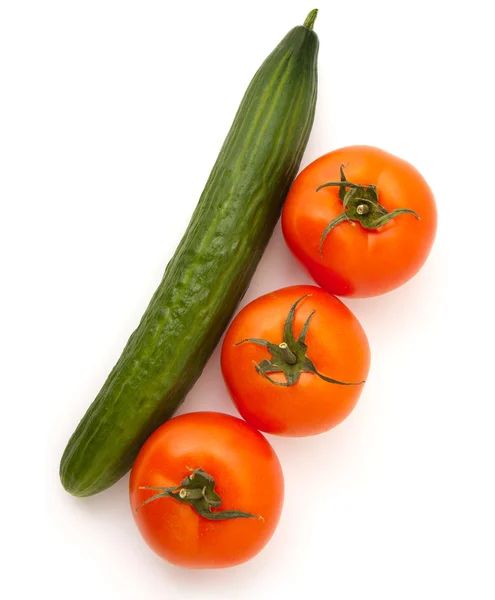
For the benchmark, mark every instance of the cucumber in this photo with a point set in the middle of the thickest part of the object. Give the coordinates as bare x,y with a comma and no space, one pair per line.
209,272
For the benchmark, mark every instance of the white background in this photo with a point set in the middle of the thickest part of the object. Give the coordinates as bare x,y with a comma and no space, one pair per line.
112,114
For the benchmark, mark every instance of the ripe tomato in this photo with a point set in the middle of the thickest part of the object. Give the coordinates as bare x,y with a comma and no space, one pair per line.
347,234
206,491
295,361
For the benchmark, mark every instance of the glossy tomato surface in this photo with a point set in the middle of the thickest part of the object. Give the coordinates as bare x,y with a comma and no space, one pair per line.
336,344
353,260
248,477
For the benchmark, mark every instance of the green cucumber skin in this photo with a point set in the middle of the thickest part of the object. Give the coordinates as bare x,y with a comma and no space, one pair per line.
209,272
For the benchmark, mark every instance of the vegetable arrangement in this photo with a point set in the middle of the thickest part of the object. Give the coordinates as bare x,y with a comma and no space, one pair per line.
206,489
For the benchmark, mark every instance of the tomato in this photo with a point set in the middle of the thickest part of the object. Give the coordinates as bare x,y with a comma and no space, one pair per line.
363,240
295,361
206,491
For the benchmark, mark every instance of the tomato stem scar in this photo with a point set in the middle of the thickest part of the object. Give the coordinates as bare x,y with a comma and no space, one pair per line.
287,354
360,204
198,490
290,356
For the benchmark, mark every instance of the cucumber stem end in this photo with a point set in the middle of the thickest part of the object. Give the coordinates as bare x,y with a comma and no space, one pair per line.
311,18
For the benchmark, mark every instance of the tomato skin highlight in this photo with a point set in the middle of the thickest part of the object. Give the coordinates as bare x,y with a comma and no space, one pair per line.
359,262
248,477
337,344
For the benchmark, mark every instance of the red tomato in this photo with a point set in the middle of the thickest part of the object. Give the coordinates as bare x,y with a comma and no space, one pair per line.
196,468
295,399
372,250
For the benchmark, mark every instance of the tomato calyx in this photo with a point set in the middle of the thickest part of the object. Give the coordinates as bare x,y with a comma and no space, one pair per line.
197,490
360,204
290,356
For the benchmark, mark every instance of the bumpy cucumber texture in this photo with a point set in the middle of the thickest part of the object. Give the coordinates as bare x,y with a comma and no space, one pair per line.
209,272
